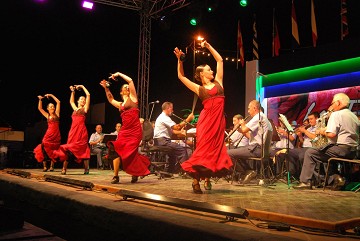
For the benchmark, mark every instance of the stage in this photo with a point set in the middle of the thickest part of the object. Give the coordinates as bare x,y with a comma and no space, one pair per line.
167,209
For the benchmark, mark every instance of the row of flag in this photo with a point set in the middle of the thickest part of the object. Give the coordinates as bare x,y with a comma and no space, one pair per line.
294,31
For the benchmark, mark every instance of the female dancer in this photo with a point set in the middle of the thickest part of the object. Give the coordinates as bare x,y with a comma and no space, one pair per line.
52,138
77,146
210,158
125,148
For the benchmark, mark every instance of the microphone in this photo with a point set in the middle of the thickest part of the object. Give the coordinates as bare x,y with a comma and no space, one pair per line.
154,102
261,74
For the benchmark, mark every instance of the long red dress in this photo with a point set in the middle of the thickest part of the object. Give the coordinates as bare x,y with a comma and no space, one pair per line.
127,143
77,142
50,142
210,158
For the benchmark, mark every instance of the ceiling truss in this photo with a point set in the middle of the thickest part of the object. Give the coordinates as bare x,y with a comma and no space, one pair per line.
148,9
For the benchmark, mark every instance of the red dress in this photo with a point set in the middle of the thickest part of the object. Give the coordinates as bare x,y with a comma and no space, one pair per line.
50,142
127,143
210,158
77,142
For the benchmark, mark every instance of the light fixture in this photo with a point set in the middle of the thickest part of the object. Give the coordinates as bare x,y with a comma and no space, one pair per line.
87,5
243,3
195,13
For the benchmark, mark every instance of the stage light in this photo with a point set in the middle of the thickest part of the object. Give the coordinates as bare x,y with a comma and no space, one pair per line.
88,5
195,13
243,3
211,5
198,41
193,21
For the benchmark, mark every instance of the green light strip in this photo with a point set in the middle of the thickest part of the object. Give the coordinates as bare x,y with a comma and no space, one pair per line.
311,72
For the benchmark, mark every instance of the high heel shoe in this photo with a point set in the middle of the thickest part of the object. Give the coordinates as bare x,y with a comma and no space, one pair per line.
207,185
134,179
45,169
196,188
63,172
51,169
115,180
86,171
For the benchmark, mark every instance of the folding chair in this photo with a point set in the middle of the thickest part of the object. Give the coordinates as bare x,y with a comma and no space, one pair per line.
157,154
265,157
357,161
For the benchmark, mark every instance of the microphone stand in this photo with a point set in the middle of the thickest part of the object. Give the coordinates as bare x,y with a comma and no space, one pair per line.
152,109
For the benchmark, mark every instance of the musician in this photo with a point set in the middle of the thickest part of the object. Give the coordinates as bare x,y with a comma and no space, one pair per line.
257,125
237,139
300,134
284,137
97,146
343,137
165,127
295,156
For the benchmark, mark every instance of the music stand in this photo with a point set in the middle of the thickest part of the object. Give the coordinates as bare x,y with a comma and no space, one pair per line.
289,129
109,137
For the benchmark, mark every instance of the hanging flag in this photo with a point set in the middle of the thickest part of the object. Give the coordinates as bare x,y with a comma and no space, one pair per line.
294,26
313,24
240,46
276,38
344,22
255,43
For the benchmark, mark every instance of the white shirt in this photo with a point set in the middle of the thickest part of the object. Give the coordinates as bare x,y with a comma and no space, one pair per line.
163,126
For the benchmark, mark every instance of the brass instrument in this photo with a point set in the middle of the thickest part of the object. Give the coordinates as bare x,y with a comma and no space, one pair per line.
236,127
320,140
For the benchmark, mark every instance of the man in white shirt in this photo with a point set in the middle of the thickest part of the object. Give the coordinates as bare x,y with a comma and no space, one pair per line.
165,127
97,147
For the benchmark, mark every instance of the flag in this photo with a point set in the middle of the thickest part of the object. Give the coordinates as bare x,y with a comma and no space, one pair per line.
344,22
240,46
255,44
313,24
294,26
276,38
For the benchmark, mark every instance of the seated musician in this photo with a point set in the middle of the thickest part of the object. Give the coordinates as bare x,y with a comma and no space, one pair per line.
98,148
280,148
305,135
236,138
165,127
342,136
241,154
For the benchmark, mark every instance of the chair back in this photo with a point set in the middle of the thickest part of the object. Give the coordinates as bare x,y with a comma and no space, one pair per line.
267,144
148,134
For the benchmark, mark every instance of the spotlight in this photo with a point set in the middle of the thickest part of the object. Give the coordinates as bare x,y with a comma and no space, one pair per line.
195,13
198,41
243,3
193,21
87,4
211,5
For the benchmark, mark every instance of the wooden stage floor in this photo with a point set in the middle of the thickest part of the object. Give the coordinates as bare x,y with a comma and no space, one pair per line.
310,214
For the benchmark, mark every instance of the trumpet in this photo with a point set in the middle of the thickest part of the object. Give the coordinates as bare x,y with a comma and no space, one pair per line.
304,126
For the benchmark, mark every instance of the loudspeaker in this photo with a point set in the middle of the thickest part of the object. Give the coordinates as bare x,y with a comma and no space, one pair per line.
11,219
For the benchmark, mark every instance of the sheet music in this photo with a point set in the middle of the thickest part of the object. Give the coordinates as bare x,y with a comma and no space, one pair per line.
286,123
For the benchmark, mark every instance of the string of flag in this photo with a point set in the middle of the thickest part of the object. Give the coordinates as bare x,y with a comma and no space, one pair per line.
276,43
